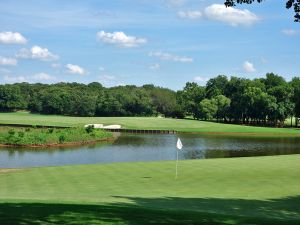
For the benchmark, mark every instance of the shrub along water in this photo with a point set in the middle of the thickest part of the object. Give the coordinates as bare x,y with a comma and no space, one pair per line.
50,136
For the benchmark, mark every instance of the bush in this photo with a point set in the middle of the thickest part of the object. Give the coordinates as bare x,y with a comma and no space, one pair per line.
50,130
89,129
61,139
11,132
21,134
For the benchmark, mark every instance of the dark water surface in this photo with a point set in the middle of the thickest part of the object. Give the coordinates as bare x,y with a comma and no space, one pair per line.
147,147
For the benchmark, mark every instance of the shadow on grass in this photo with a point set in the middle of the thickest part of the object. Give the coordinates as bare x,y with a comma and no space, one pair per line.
157,211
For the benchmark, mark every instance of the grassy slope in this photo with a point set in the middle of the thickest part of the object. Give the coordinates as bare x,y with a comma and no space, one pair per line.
256,190
140,123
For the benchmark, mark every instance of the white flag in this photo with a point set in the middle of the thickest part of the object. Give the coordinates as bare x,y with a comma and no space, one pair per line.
179,144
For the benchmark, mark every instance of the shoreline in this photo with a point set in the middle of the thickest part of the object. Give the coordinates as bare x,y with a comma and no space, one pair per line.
68,144
242,134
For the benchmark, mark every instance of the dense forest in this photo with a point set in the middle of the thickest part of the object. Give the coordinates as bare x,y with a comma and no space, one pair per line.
264,101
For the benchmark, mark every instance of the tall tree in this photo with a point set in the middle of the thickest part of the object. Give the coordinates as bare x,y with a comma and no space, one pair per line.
10,98
216,86
189,98
207,109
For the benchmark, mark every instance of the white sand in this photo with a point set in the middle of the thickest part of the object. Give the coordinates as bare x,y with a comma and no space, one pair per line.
116,126
99,126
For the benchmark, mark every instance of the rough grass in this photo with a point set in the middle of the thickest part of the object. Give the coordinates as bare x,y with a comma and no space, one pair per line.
50,136
256,190
184,125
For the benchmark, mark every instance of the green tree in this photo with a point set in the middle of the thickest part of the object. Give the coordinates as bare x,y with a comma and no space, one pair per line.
223,104
190,97
216,86
11,98
285,106
295,84
234,90
207,109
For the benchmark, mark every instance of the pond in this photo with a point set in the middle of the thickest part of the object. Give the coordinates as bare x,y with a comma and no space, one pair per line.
150,147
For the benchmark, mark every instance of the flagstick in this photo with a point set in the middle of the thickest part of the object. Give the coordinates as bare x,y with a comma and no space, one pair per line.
176,165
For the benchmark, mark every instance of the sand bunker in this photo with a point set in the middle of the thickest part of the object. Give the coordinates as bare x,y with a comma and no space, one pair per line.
112,127
101,126
94,125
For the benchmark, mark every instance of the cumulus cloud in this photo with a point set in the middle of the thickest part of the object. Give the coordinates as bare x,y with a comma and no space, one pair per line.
37,52
290,32
230,15
189,14
8,61
249,67
75,69
120,39
154,66
9,37
42,77
170,57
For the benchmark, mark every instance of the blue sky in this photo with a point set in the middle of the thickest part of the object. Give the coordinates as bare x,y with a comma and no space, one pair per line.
164,42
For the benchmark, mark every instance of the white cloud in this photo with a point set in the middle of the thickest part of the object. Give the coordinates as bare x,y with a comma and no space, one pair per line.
9,37
101,68
154,66
75,69
8,61
37,52
42,77
201,79
170,57
230,15
290,32
189,14
249,67
14,79
120,39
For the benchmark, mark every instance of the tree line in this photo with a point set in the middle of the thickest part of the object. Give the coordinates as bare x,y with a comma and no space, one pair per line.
264,101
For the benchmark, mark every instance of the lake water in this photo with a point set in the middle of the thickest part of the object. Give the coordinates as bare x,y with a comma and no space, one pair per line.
147,147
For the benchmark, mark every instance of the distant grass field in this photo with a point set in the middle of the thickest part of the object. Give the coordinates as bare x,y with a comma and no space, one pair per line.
183,125
256,190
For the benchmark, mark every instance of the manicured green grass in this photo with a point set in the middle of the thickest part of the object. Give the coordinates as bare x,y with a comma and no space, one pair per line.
256,190
51,136
184,125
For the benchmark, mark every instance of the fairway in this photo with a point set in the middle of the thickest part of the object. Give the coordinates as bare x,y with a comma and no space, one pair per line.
156,123
256,190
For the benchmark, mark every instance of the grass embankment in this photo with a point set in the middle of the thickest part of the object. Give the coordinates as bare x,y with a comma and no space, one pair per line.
256,190
181,125
51,136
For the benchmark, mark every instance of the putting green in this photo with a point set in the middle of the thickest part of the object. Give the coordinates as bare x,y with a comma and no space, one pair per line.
256,190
